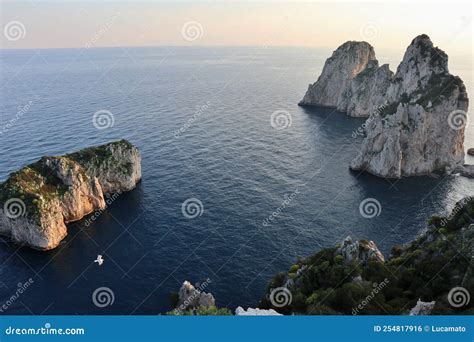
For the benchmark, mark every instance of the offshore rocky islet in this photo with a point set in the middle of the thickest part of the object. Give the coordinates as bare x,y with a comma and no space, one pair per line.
40,199
416,115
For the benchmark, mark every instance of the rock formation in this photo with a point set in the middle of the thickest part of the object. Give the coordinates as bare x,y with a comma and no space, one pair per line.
360,251
417,116
422,308
240,311
40,199
345,63
190,298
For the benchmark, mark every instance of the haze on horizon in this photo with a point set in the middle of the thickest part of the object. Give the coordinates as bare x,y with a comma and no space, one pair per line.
228,23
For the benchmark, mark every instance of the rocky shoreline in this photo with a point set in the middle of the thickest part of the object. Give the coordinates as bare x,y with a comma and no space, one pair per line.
354,277
40,199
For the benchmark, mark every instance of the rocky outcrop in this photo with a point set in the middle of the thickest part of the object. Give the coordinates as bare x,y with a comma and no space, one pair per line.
40,199
421,127
365,94
345,63
416,116
360,251
117,166
240,311
192,298
422,308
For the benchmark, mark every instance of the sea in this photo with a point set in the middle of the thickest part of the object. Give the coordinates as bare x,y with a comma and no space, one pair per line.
238,181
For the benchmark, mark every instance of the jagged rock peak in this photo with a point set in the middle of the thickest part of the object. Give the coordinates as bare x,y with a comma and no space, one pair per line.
420,129
40,199
346,62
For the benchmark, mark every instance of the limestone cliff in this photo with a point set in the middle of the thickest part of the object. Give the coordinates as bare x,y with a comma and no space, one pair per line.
421,127
417,115
40,199
345,63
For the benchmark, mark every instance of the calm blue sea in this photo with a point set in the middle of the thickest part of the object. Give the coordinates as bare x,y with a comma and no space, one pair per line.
228,156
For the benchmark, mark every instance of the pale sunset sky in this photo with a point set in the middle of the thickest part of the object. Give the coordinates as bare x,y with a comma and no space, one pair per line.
384,24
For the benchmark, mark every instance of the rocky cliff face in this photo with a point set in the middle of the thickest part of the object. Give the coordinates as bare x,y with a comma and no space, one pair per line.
345,63
38,200
117,166
421,128
417,115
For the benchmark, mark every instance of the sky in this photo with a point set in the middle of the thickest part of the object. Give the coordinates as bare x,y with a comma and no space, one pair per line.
386,25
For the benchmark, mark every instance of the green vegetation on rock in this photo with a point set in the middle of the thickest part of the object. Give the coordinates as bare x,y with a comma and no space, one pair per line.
427,269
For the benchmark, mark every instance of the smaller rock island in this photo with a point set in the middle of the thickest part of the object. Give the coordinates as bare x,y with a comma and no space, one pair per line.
41,198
